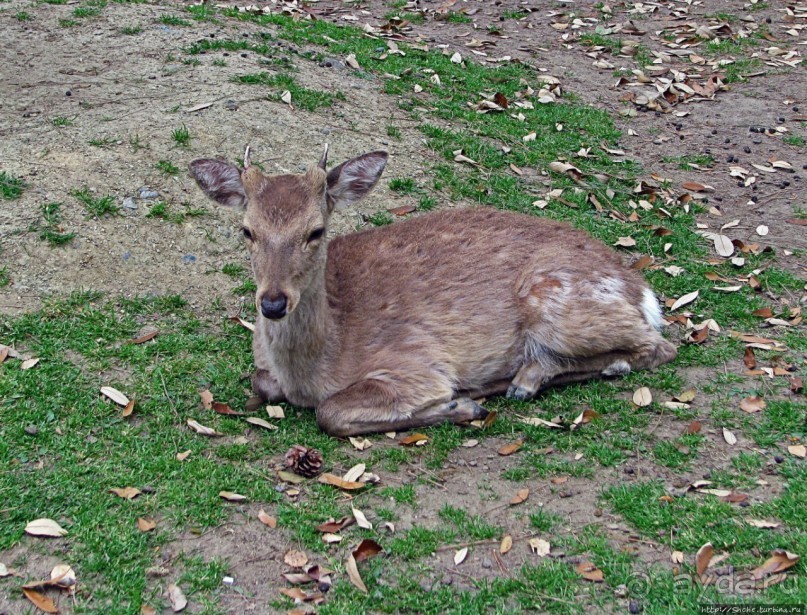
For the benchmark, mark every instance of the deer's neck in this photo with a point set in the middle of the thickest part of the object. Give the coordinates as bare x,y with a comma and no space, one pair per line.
299,345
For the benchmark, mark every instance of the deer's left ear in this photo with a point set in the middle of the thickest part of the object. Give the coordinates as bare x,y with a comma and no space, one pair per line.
354,178
220,181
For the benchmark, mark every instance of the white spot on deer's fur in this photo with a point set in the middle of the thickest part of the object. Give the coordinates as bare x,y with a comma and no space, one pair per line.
608,290
651,309
617,368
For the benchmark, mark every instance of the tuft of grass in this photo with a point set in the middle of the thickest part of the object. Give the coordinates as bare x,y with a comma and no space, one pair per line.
381,218
181,136
455,17
166,167
103,141
402,185
219,62
67,23
95,206
60,121
394,132
686,161
165,212
131,30
307,99
50,229
11,187
174,20
23,16
85,12
794,140
5,277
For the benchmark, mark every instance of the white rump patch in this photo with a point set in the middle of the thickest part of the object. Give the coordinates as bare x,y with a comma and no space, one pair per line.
651,309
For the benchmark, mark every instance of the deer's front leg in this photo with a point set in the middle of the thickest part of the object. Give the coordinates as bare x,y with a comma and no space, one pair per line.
266,386
372,406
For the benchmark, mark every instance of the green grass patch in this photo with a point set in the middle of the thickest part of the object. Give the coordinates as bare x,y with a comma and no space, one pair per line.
173,20
11,186
307,99
96,206
181,136
172,214
50,229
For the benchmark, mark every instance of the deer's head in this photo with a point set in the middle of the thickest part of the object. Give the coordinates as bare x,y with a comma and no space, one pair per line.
286,218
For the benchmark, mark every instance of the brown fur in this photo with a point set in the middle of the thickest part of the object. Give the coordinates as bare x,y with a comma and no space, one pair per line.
387,327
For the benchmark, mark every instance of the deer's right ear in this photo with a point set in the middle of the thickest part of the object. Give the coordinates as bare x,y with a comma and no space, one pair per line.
220,181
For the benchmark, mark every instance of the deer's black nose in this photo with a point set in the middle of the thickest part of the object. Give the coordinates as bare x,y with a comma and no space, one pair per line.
273,308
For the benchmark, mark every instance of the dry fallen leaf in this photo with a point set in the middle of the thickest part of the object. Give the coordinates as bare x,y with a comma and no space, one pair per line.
723,246
509,449
625,242
460,556
539,546
361,520
146,525
763,524
145,609
752,404
798,450
693,428
115,395
62,576
222,408
207,399
360,444
520,496
184,455
45,527
254,420
538,422
330,479
127,493
367,548
415,438
642,397
335,526
677,557
729,437
703,557
201,429
4,571
267,519
779,561
127,411
354,473
684,300
295,559
506,544
29,363
231,496
40,601
590,572
177,598
353,573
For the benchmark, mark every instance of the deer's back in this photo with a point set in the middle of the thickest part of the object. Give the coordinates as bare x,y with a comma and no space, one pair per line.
445,287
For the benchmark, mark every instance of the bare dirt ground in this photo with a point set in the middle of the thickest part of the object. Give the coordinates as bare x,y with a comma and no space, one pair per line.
130,92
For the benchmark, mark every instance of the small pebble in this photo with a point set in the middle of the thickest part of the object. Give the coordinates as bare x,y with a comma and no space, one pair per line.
129,203
231,105
778,459
747,149
147,193
188,258
486,563
31,430
634,607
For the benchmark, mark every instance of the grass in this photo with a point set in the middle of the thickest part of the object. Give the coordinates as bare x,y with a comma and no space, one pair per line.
5,277
686,162
104,141
131,30
307,99
50,229
84,446
96,206
174,20
23,16
61,121
166,212
11,187
794,140
181,136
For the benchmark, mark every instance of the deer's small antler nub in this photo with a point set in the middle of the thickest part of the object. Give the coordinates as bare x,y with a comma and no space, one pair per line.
246,158
324,160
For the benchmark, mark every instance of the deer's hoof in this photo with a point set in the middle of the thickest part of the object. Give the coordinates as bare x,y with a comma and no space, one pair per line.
519,393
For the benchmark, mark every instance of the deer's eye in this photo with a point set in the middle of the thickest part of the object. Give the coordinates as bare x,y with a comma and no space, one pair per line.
247,233
316,234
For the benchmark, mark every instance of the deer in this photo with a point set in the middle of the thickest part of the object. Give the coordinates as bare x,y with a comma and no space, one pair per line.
405,325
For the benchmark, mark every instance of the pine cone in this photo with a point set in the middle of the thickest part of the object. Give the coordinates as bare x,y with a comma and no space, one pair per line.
304,461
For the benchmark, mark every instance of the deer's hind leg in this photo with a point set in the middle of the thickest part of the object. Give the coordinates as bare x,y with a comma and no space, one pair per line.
385,403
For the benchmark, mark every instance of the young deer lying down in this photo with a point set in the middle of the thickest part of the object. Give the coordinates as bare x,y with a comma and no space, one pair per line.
402,326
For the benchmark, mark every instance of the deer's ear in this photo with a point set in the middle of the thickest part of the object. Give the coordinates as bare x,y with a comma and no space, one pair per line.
220,181
354,178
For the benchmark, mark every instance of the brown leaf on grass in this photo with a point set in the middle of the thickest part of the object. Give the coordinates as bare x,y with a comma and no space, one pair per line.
127,493
509,449
243,323
353,573
797,221
290,477
585,417
520,496
184,455
231,496
259,422
642,263
749,358
40,601
752,404
698,336
127,411
779,561
207,399
796,384
686,396
415,438
539,546
222,408
723,246
146,525
684,300
763,312
697,187
501,100
589,572
735,497
145,337
29,363
145,609
331,479
266,519
3,352
693,428
703,557
460,556
366,549
336,526
729,437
